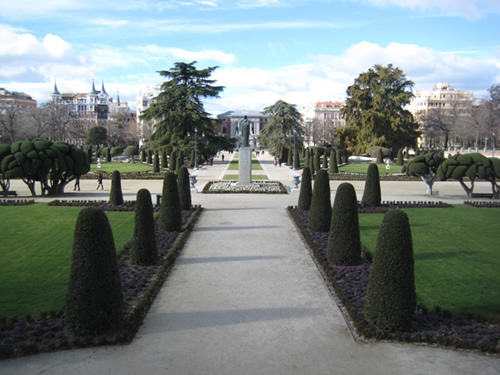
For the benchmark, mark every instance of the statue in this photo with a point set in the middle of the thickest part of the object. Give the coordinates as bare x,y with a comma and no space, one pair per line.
245,131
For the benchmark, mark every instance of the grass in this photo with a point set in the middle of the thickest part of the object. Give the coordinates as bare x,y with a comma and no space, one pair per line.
121,167
362,168
457,261
35,255
234,163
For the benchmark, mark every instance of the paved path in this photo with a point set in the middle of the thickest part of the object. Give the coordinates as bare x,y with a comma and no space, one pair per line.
245,297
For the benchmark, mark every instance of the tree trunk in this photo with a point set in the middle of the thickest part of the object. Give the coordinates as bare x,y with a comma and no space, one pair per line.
466,188
429,180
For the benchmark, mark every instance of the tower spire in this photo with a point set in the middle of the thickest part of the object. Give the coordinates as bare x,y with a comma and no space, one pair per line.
55,91
118,98
102,89
93,91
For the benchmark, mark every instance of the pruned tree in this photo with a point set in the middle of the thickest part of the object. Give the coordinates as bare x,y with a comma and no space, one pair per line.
321,207
425,167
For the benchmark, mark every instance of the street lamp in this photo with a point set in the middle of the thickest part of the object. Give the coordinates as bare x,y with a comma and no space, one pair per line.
486,144
494,144
195,148
294,145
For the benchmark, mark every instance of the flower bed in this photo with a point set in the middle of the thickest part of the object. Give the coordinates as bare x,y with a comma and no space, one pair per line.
362,177
489,204
140,285
17,202
349,285
259,187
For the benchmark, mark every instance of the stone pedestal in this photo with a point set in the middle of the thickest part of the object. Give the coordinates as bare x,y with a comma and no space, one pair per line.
245,166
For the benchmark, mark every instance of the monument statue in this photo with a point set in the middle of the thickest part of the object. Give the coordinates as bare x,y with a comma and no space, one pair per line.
245,131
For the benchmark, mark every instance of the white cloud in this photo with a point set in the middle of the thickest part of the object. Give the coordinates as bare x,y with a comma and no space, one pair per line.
154,52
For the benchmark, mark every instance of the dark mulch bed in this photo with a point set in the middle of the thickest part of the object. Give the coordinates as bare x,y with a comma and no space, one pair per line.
430,327
362,177
140,285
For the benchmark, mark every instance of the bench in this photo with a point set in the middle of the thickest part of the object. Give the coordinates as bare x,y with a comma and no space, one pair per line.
9,192
482,195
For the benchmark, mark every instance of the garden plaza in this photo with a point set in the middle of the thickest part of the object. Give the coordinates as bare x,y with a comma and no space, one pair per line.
245,296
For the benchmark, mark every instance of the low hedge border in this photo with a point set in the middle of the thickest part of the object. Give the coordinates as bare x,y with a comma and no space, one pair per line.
20,337
430,328
483,204
17,202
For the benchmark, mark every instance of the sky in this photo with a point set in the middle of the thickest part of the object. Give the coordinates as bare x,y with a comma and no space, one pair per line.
298,51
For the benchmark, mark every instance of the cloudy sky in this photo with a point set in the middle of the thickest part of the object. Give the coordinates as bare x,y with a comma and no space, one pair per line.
299,51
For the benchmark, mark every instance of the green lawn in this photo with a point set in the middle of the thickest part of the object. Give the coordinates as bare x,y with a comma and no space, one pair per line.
237,177
122,167
362,168
35,255
233,164
457,262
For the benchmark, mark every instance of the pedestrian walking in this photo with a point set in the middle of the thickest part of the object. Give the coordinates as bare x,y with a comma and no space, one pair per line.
275,161
77,184
222,157
99,182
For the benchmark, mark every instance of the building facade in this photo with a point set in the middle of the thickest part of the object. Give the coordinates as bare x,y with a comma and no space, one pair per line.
229,124
15,100
320,121
143,101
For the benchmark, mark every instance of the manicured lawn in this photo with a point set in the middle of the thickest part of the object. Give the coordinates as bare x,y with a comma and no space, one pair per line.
35,255
457,261
236,177
362,168
121,167
233,164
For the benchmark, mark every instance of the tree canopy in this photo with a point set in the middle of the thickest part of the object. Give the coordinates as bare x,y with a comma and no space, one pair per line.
284,121
375,111
178,109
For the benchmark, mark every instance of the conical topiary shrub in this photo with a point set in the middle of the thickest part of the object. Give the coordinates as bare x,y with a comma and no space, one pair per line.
338,155
333,167
94,303
143,155
390,298
89,154
305,194
296,160
184,188
317,164
372,195
164,161
325,161
289,161
321,207
144,251
400,160
344,244
171,161
170,219
115,195
380,156
149,157
307,158
156,162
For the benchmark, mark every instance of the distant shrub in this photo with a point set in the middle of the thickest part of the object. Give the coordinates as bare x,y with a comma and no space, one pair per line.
380,156
344,243
115,195
156,162
400,160
184,188
371,194
94,303
149,157
144,251
333,166
321,208
131,151
164,161
170,219
391,298
305,194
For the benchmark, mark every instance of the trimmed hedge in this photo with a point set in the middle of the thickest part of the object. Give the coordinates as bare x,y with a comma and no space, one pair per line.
170,219
371,194
344,243
333,165
184,189
391,298
321,207
115,195
144,251
305,194
94,303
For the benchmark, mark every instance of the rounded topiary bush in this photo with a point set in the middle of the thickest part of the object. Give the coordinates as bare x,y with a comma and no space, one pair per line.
156,162
390,298
144,251
321,207
333,167
184,188
380,156
170,219
94,303
344,243
372,195
305,194
115,195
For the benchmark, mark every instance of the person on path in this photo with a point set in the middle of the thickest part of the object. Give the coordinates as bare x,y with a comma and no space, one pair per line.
275,161
99,182
222,157
77,184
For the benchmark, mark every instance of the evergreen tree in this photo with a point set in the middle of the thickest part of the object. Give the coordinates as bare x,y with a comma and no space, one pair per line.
144,251
89,154
338,156
391,298
380,156
94,302
170,219
115,195
344,243
317,164
296,160
372,195
108,155
289,161
305,194
184,188
325,160
400,160
150,157
164,161
172,161
143,155
307,158
321,208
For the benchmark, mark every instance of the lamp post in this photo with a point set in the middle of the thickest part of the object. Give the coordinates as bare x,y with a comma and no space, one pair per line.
195,148
486,144
294,144
494,145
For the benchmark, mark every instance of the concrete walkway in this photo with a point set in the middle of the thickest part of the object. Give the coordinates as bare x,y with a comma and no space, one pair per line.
245,297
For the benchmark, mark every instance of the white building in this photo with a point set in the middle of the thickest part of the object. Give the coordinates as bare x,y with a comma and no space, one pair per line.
143,101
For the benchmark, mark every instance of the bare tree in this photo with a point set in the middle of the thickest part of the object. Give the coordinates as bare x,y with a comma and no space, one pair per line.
12,121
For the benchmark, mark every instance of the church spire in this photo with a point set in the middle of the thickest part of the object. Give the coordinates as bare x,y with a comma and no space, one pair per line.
55,91
102,89
118,98
93,91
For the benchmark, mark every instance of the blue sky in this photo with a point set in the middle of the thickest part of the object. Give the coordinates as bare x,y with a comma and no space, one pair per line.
266,50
